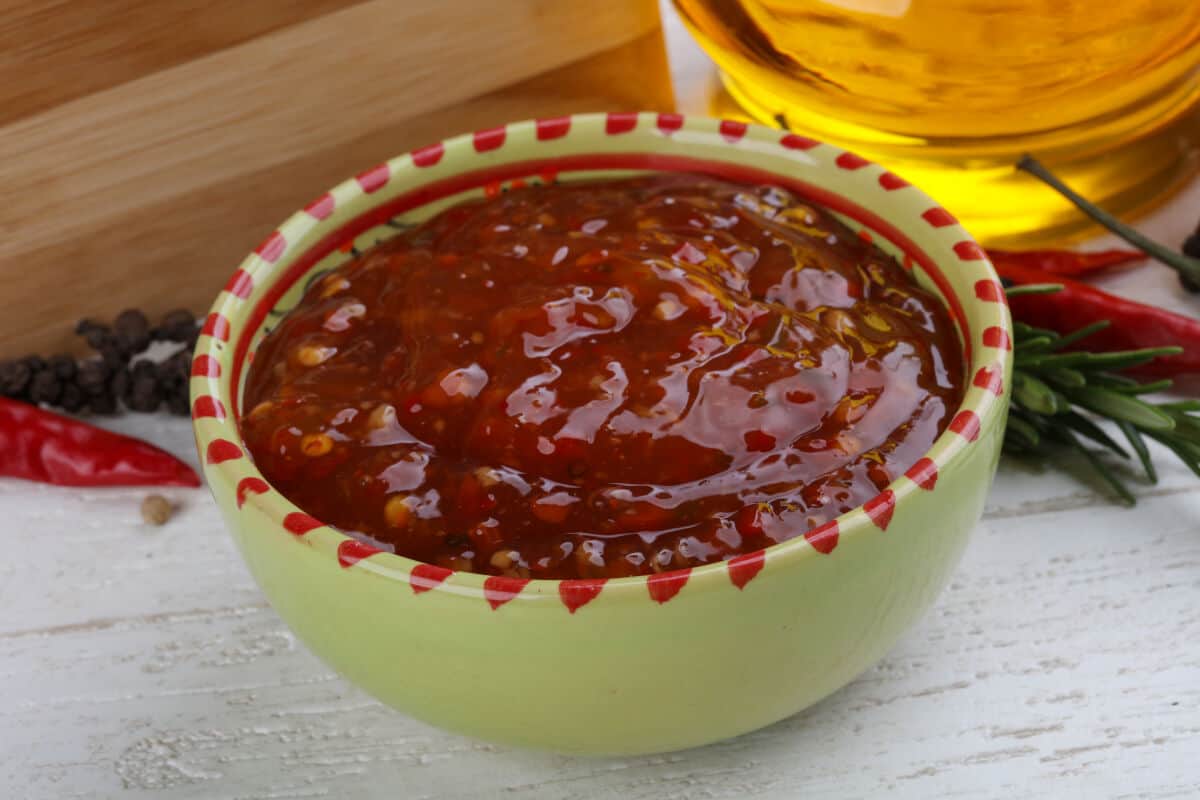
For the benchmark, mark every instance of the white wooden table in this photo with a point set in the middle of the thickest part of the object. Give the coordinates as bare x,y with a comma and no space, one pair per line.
1063,661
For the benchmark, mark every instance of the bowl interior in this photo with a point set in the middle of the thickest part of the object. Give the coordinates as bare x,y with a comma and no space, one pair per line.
392,197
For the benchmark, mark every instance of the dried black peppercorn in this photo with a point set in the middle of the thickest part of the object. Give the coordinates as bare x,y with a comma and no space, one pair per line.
114,379
177,325
144,369
45,388
87,324
15,377
72,398
92,377
63,366
144,395
99,338
119,383
103,404
177,404
114,357
176,369
132,330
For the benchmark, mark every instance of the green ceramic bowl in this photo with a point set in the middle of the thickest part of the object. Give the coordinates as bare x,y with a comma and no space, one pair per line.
631,665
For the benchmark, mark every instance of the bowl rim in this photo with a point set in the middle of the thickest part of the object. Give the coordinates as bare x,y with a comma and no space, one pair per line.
225,458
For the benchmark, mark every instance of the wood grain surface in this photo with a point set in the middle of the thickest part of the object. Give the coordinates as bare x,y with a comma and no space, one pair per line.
52,51
150,191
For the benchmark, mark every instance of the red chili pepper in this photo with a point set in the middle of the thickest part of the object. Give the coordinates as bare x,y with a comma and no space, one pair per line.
1134,325
1065,263
42,446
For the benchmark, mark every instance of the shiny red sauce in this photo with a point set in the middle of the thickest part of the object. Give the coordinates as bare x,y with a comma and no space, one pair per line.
602,379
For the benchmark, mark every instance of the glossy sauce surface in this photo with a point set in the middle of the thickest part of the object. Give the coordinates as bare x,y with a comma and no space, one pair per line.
602,379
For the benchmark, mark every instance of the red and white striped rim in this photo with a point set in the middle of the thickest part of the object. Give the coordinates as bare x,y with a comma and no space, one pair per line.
287,255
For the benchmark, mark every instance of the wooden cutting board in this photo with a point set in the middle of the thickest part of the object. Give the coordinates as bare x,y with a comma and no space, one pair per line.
145,149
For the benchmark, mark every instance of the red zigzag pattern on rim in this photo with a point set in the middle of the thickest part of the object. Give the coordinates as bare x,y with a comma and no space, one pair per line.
374,179
880,508
240,285
997,337
298,523
498,590
989,291
272,247
221,450
489,139
923,473
248,486
427,576
744,568
351,551
665,585
552,128
991,379
577,593
823,538
205,366
620,122
669,123
216,326
320,208
966,425
207,406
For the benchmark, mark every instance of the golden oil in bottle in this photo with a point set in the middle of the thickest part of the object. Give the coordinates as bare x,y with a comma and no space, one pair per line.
950,93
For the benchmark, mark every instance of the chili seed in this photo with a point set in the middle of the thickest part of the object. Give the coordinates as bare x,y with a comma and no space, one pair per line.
382,416
334,284
460,563
487,477
315,445
668,309
396,511
311,356
156,509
